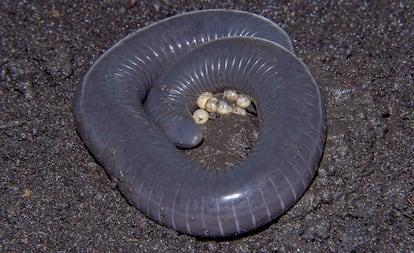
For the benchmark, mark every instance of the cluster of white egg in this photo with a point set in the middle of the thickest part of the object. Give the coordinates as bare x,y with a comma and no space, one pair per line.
230,101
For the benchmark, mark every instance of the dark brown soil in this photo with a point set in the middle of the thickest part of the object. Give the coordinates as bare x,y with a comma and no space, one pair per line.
227,140
54,197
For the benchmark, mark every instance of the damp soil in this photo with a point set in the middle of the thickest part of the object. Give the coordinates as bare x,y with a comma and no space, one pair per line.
228,139
55,197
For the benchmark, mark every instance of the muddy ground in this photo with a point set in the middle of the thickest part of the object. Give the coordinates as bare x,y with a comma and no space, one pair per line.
55,197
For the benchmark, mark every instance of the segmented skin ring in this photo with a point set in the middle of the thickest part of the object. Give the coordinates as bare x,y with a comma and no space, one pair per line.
133,107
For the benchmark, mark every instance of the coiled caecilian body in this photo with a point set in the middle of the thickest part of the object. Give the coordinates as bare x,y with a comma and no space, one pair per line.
134,106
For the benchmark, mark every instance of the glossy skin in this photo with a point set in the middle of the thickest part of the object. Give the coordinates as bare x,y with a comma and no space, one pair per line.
142,159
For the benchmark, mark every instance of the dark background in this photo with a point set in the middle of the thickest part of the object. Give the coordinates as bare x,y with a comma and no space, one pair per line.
55,197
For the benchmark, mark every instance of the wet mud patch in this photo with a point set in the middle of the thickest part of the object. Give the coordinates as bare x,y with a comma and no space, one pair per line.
227,140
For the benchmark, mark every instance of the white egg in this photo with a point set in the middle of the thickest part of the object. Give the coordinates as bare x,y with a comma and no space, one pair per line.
231,95
243,101
203,98
239,111
200,116
212,104
223,108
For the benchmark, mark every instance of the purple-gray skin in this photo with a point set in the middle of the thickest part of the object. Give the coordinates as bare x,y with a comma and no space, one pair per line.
134,107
